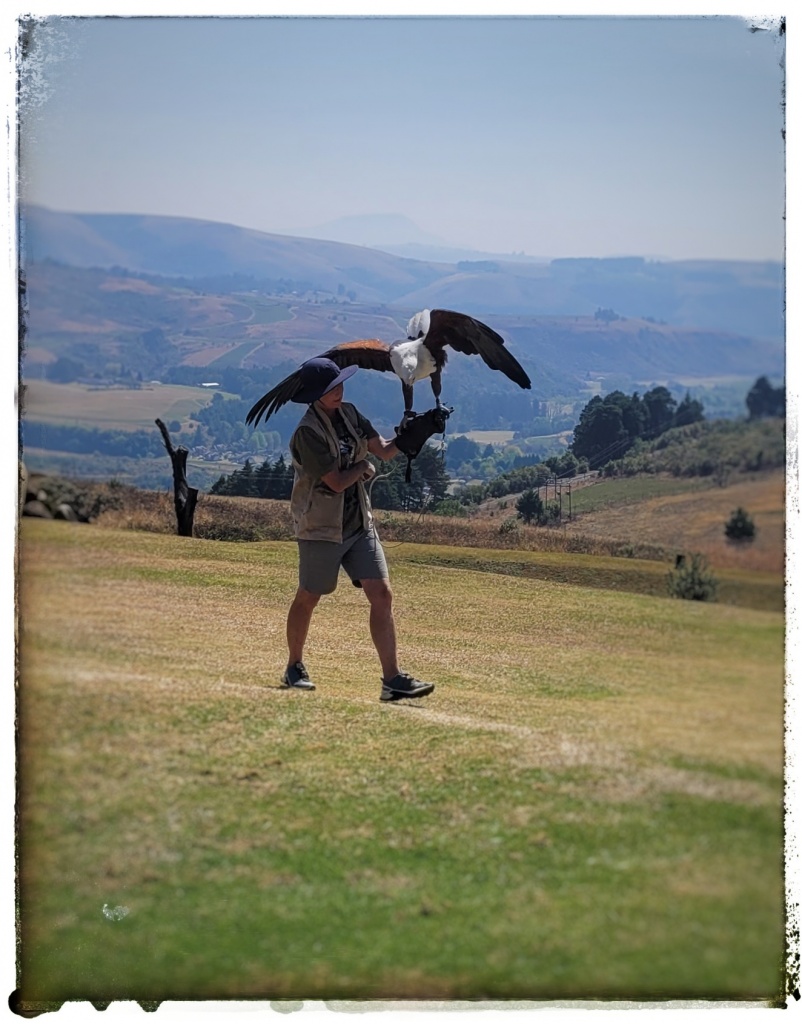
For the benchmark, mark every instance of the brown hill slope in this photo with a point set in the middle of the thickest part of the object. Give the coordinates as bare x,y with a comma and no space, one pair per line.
656,528
694,522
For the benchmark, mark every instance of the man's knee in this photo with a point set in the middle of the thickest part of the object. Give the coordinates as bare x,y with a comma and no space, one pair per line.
378,592
306,598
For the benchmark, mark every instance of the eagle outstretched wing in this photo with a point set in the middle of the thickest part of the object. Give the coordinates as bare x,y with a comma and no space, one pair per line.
465,334
368,353
282,393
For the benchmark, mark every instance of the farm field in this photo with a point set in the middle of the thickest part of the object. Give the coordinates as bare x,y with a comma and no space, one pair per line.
489,436
112,408
588,806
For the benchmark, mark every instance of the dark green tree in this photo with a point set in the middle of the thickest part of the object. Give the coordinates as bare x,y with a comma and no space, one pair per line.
461,449
660,408
689,410
247,481
279,485
600,434
529,506
634,414
65,369
763,400
740,526
566,465
222,485
450,507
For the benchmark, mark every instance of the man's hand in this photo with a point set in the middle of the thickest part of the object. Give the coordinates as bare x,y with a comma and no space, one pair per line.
338,480
368,470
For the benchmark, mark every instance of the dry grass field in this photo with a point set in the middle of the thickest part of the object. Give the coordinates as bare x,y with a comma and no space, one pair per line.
113,408
633,542
695,521
588,806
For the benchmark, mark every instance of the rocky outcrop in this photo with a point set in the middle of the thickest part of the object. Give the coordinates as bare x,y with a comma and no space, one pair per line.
39,509
45,497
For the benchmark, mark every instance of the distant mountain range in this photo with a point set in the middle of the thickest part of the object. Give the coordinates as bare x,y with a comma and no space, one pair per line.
377,231
397,234
739,298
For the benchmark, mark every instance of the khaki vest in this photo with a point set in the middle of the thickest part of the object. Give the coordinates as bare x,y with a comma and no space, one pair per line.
317,510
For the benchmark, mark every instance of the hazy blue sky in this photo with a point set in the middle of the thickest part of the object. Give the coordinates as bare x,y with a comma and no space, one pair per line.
593,136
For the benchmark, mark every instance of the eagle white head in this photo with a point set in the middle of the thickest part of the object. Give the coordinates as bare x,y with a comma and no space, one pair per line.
418,326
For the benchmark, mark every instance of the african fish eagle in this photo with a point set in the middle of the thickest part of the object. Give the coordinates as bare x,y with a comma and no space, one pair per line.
421,354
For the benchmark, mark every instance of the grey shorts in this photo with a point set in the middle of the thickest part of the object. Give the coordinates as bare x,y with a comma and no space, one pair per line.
319,561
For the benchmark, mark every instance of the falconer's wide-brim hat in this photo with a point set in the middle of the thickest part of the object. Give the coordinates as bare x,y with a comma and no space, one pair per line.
318,376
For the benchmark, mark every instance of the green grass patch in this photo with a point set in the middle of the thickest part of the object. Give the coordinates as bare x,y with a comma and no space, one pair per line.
235,356
764,591
588,806
271,313
629,490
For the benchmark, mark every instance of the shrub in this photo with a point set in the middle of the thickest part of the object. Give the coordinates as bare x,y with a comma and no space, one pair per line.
450,507
550,514
509,526
691,579
740,526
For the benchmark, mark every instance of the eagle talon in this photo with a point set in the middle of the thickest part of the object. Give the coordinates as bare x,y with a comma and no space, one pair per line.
409,416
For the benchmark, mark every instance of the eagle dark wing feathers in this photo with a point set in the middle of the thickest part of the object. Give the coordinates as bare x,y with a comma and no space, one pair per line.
368,353
472,337
282,393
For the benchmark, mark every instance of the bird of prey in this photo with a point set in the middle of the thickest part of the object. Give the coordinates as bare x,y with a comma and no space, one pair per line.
421,354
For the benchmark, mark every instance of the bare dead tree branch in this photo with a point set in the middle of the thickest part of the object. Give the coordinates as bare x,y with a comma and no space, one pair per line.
186,497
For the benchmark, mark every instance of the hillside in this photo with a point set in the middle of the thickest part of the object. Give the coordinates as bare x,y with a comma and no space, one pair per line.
619,534
691,519
107,319
734,297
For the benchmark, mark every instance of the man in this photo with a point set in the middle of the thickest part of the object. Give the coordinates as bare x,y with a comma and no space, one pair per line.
334,523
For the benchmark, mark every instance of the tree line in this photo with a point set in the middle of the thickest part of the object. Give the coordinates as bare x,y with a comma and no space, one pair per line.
270,480
523,478
426,490
135,444
608,427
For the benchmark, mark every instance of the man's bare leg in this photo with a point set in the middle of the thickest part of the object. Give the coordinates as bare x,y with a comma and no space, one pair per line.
382,625
298,619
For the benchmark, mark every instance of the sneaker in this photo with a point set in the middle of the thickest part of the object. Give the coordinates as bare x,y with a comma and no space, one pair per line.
297,678
403,685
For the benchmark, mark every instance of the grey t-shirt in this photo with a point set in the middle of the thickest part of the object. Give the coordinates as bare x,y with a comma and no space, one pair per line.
314,454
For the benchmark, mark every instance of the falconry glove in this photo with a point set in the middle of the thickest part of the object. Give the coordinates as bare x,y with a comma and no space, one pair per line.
412,434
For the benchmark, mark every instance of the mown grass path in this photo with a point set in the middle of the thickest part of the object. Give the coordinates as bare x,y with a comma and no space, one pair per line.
589,805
